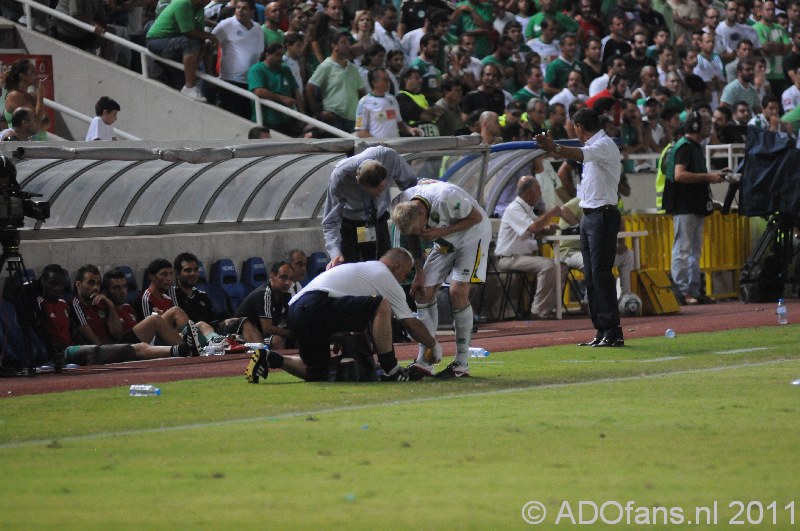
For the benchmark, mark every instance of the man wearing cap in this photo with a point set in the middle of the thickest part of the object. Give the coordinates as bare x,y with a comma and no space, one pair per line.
354,219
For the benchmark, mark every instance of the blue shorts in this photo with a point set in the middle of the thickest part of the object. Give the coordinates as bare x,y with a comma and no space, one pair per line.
173,47
315,317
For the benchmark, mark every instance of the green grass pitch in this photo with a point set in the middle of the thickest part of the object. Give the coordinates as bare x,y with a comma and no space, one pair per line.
702,420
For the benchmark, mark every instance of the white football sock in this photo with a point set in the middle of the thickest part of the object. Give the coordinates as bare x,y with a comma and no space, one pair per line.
462,322
429,315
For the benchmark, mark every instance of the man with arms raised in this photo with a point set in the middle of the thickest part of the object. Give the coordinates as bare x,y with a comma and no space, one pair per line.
602,167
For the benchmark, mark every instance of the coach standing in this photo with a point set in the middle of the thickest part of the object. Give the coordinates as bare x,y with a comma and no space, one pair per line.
356,212
597,191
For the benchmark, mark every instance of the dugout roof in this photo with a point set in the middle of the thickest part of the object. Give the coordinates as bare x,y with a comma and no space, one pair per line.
136,187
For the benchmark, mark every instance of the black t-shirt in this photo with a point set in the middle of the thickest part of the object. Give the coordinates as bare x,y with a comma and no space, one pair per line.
691,198
264,303
613,49
198,307
790,63
489,101
651,18
411,113
413,14
633,67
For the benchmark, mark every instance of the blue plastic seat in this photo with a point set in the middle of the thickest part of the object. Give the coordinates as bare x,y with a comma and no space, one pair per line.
223,278
317,262
254,272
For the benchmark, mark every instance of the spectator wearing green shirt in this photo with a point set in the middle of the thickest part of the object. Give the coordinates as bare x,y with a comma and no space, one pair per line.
564,22
272,80
337,83
503,58
558,71
271,27
177,34
475,17
775,43
534,88
426,64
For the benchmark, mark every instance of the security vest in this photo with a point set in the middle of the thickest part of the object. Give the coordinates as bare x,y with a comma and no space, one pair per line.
427,128
661,176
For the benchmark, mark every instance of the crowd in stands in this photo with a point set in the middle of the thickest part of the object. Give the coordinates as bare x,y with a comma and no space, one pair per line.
429,68
100,318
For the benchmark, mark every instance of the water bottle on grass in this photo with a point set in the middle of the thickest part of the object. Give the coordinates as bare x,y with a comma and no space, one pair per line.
478,352
783,318
145,390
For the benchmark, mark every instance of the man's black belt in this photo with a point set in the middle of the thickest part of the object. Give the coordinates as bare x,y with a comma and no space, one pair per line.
604,207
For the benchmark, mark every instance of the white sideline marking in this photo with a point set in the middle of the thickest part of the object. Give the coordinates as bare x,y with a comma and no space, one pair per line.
324,411
740,350
651,360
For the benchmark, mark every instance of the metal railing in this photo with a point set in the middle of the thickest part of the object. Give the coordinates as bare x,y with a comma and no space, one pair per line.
29,5
84,118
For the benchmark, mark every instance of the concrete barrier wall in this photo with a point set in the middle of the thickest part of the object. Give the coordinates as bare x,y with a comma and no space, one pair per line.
138,251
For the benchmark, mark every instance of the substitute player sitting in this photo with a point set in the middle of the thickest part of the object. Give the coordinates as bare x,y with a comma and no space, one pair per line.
459,228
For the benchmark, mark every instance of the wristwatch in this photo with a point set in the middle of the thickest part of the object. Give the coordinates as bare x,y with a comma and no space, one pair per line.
558,149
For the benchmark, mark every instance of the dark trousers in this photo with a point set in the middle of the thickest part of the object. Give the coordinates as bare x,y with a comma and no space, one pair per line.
598,246
361,252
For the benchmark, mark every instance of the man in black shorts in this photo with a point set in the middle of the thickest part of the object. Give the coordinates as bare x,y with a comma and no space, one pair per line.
348,298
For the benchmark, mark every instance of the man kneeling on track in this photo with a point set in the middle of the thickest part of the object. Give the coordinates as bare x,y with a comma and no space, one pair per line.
348,298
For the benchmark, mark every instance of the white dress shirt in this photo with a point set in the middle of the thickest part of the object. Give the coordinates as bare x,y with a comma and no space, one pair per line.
602,166
514,238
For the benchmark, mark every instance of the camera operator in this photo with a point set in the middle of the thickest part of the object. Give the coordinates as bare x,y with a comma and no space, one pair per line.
687,197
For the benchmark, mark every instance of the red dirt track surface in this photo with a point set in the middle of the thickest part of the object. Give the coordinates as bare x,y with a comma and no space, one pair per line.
495,337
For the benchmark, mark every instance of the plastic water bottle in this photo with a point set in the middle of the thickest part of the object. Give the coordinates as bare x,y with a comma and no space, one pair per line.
478,352
257,346
670,333
213,349
781,311
145,390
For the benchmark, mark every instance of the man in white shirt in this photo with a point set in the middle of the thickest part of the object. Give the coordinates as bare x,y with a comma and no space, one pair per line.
710,68
546,45
516,243
617,67
437,24
791,96
733,32
242,43
602,167
349,298
385,26
459,228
